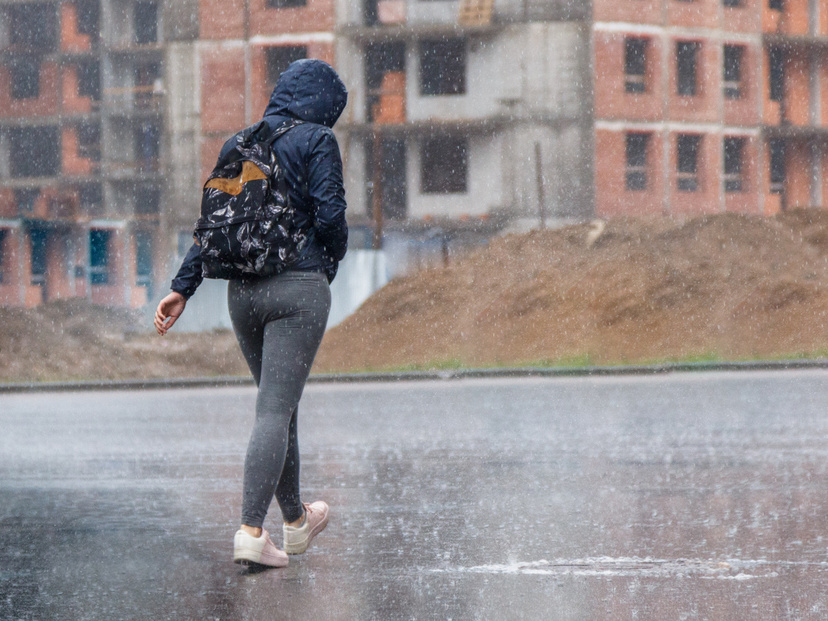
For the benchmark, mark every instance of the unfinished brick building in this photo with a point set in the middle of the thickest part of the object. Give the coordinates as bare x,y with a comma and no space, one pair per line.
111,114
710,105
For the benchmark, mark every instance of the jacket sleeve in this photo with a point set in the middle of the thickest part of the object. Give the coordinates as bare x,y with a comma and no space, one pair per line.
327,194
189,275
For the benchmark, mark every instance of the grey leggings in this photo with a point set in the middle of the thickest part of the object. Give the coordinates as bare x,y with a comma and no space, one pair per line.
279,322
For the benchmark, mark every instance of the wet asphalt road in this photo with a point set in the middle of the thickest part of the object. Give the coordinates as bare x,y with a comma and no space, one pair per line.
686,496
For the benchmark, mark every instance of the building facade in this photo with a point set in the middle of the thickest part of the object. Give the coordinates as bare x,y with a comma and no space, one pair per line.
704,106
465,118
466,115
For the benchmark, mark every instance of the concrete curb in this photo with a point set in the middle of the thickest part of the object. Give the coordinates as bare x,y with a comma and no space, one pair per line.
414,376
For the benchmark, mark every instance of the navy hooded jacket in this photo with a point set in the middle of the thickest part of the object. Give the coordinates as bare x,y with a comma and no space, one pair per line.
309,90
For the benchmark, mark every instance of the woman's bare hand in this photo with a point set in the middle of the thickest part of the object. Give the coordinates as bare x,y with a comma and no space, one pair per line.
168,311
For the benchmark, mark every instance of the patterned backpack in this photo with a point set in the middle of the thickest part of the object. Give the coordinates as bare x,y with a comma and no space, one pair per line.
247,225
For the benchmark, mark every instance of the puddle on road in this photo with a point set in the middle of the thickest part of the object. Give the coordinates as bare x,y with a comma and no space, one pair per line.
731,569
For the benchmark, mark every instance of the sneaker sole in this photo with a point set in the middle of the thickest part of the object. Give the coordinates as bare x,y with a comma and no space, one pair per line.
300,547
248,556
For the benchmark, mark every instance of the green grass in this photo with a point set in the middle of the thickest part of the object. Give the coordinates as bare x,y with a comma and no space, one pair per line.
588,360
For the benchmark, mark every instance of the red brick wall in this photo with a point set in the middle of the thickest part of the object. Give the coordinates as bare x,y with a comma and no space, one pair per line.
222,89
639,12
316,16
696,14
221,19
745,18
70,39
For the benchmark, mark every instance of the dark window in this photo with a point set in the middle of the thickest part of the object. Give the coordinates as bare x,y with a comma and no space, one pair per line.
687,53
37,247
25,199
91,199
146,22
2,251
34,26
99,256
89,79
285,4
778,169
25,78
278,58
776,58
143,257
687,162
733,154
636,148
147,144
776,5
443,67
36,152
89,141
732,69
444,165
147,200
88,15
733,3
635,64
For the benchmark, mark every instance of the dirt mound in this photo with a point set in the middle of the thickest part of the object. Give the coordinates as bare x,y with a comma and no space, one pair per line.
629,290
76,340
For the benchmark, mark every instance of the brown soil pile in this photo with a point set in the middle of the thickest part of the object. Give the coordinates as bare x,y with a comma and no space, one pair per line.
75,340
722,287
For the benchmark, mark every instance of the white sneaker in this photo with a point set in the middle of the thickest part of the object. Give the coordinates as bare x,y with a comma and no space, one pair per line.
260,550
298,538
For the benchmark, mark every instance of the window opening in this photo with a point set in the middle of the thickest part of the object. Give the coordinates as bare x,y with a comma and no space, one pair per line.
147,200
37,247
444,165
636,151
33,26
278,58
31,158
143,258
88,16
778,168
733,157
732,3
776,58
635,64
443,67
687,162
99,256
89,79
285,4
146,22
687,67
25,78
3,236
148,144
732,71
776,5
381,59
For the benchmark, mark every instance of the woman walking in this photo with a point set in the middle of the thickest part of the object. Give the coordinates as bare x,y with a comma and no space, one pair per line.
279,320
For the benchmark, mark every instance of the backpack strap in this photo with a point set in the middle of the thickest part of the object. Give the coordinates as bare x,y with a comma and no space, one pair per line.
282,129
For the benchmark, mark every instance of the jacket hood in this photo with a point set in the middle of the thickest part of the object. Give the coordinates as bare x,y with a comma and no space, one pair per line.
309,90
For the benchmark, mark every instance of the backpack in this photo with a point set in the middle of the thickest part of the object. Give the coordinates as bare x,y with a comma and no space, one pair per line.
247,225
